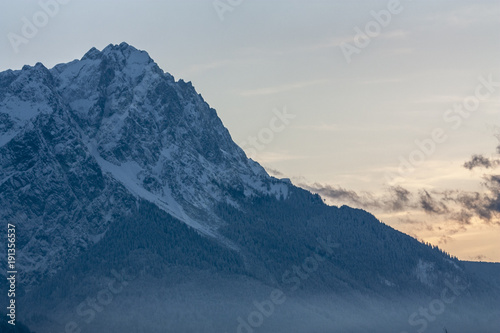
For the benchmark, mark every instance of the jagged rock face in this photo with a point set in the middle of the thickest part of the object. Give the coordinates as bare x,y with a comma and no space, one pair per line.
133,114
79,143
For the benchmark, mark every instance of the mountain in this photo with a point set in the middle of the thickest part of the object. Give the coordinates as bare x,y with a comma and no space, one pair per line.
136,212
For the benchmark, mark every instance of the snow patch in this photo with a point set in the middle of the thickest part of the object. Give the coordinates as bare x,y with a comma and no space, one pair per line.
127,174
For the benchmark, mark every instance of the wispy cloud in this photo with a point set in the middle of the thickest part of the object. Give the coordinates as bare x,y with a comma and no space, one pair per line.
430,205
480,257
321,127
337,127
396,199
397,51
203,67
200,68
479,161
274,172
336,41
454,205
281,88
268,157
444,99
468,16
395,34
384,80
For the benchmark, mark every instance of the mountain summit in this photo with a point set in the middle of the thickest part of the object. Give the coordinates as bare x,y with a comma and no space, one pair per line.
106,130
136,212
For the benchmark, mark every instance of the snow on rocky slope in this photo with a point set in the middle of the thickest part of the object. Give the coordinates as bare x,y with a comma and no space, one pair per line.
81,141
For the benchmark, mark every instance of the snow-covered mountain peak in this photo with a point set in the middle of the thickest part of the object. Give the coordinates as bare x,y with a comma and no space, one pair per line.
123,52
113,127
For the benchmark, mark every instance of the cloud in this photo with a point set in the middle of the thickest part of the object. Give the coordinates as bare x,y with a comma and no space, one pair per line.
462,216
485,205
200,68
395,199
481,161
322,127
383,80
468,16
430,205
266,157
400,198
338,127
479,257
282,88
396,34
474,204
493,184
274,172
445,239
456,205
336,193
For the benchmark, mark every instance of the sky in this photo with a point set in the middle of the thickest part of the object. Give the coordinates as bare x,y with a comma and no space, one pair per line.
389,106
